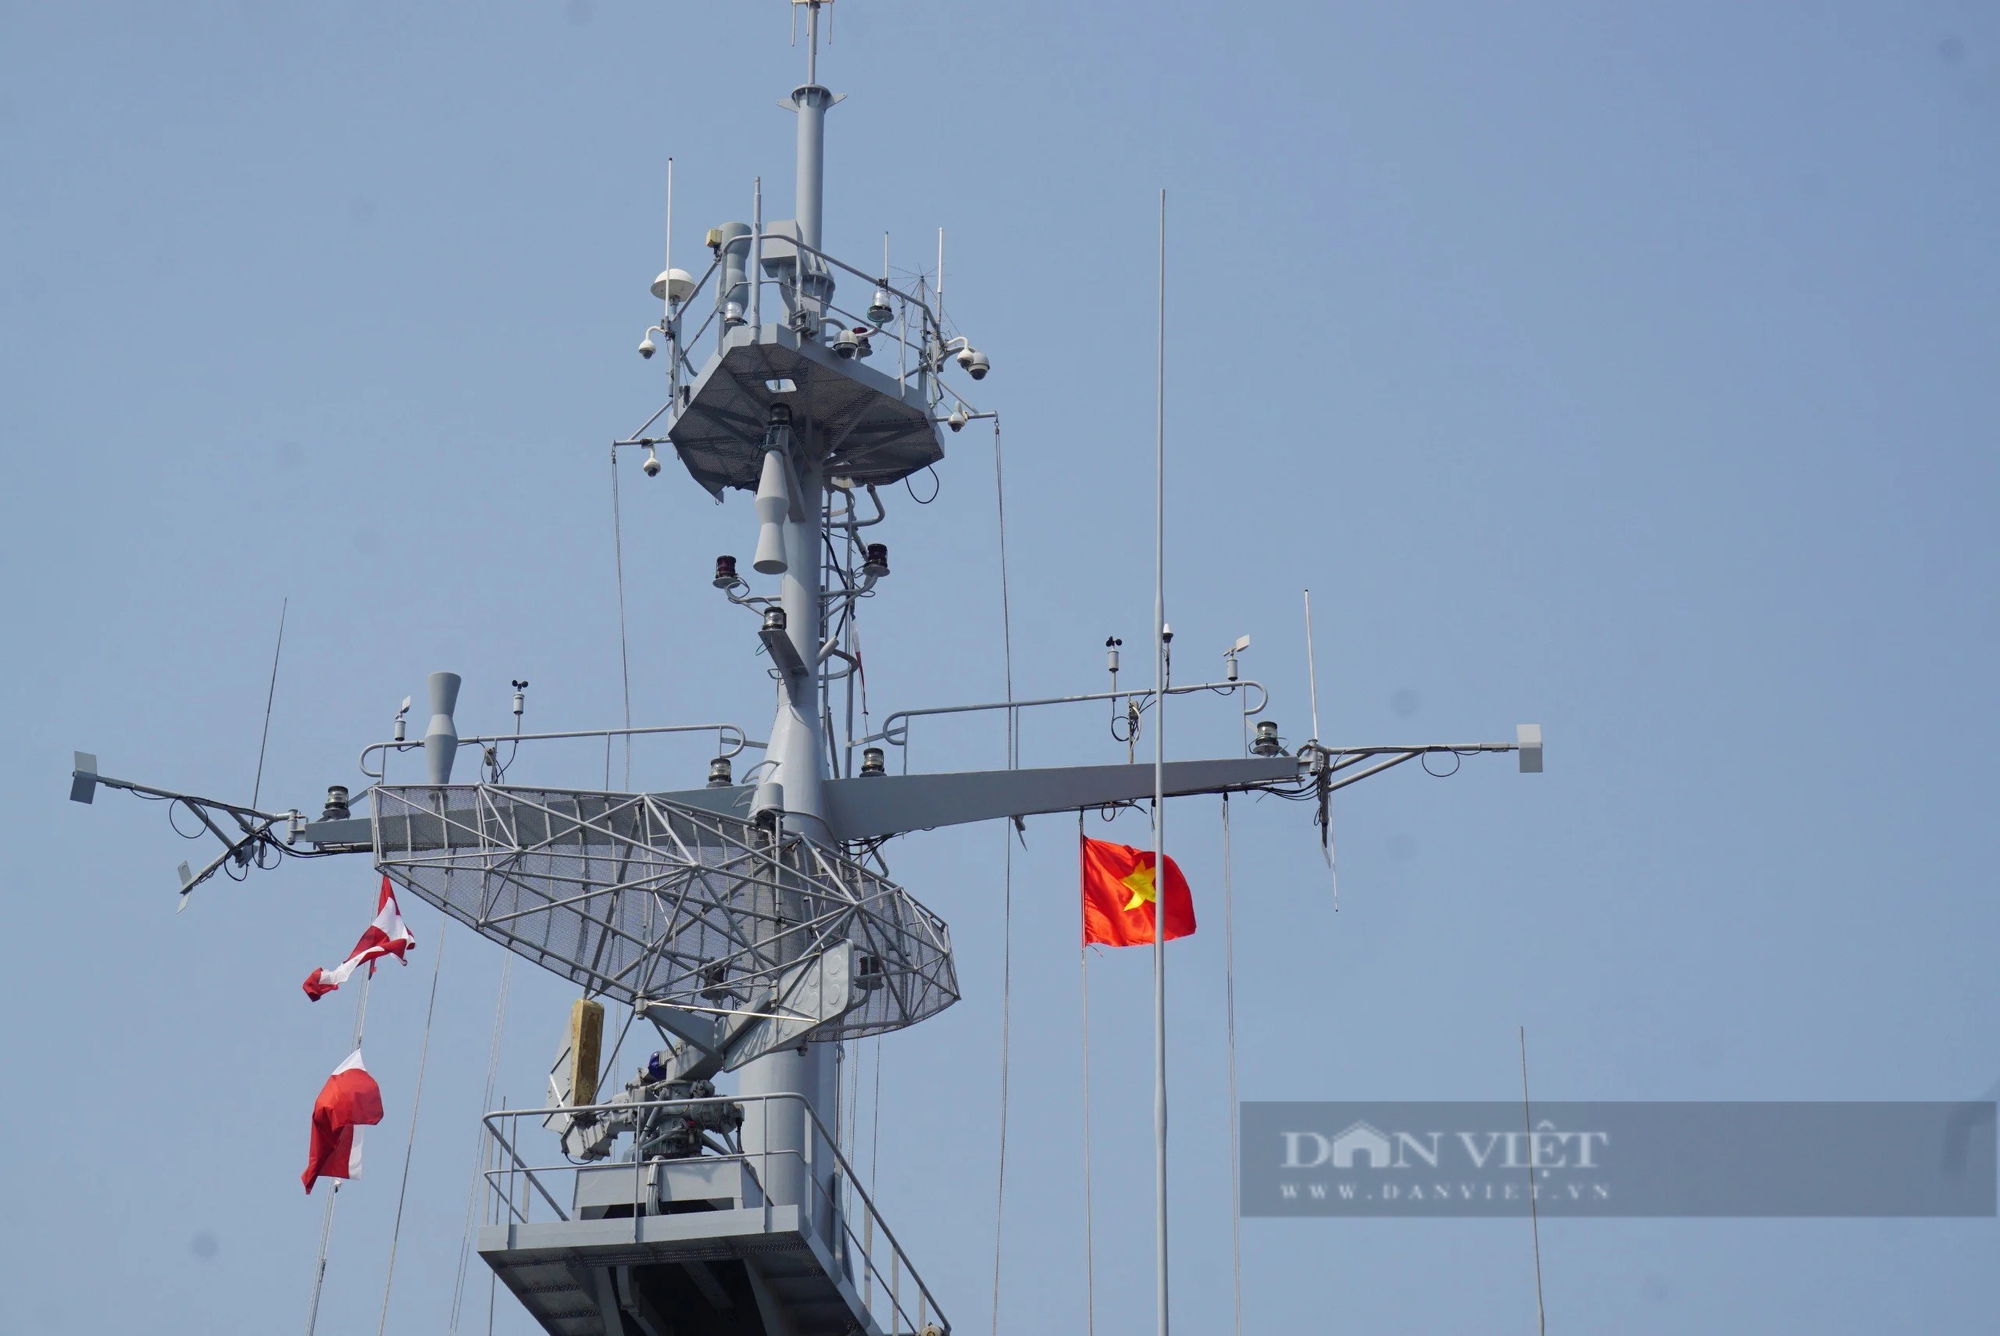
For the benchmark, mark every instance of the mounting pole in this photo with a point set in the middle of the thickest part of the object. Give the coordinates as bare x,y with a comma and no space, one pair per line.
811,101
1160,790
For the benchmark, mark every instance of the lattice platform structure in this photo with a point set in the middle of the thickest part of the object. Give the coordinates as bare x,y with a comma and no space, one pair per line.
650,901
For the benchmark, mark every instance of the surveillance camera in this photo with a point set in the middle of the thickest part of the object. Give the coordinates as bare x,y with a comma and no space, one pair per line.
652,465
646,348
965,357
978,366
957,419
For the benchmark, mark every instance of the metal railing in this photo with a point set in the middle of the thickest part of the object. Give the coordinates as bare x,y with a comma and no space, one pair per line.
895,728
868,1261
730,741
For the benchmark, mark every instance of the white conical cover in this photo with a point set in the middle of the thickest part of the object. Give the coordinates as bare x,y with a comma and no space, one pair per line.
773,504
441,738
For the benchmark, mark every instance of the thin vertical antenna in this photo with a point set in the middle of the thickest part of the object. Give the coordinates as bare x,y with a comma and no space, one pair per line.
1089,1209
1326,803
1159,788
1312,669
1534,1215
1229,1014
812,41
940,287
270,694
667,293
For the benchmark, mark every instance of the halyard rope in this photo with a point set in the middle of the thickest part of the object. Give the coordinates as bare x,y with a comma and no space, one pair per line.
410,1146
333,1194
479,1142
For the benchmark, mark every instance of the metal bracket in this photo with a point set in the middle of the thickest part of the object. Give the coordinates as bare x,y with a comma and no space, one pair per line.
783,652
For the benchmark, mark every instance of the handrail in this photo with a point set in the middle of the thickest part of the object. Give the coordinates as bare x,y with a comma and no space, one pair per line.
890,736
899,1262
743,740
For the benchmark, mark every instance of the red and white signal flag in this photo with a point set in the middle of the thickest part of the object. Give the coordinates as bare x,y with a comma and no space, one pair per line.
388,935
349,1101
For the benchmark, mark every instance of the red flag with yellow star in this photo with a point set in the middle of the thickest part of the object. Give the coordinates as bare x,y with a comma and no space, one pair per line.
1118,896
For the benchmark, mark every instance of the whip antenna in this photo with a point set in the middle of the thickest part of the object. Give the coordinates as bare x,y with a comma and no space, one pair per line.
270,694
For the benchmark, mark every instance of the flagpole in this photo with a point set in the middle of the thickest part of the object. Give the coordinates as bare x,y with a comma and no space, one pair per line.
1159,791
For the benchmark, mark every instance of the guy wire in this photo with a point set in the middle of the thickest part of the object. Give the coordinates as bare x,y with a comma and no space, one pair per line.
1534,1215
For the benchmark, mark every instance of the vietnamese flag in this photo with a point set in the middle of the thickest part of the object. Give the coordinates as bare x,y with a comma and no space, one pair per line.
1118,896
349,1101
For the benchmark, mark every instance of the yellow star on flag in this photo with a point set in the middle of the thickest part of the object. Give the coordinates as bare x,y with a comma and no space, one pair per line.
1140,879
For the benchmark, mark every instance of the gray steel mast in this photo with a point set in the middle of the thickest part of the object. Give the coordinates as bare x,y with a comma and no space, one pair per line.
797,749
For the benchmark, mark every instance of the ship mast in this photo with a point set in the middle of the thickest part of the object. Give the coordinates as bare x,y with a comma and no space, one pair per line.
750,920
794,788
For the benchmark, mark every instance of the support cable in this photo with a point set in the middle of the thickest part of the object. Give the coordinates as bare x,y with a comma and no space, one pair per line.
333,1195
492,1276
1007,900
624,659
410,1146
1534,1215
479,1144
875,1132
1006,1008
1006,609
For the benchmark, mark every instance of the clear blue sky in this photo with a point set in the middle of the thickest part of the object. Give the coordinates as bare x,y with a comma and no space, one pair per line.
1628,369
